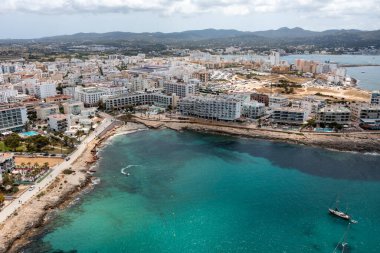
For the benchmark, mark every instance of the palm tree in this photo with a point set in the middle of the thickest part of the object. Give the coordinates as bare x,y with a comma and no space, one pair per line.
36,165
22,165
46,165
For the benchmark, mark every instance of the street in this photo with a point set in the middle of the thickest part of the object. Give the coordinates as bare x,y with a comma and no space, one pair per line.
56,171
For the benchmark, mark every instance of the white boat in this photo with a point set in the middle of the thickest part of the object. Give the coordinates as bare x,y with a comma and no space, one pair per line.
339,214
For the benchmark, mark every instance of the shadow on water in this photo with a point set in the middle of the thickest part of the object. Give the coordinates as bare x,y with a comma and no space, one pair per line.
310,160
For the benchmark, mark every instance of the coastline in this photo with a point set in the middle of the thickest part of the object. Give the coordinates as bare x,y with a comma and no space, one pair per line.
363,142
16,232
33,215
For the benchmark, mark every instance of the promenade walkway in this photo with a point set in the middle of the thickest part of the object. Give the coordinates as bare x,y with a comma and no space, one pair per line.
56,171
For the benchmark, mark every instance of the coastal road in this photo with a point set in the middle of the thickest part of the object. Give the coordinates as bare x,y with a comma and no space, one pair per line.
56,171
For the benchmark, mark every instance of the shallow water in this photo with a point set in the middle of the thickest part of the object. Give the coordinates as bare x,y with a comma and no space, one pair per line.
197,192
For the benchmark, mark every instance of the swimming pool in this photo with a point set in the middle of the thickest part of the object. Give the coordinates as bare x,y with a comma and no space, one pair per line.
324,130
28,134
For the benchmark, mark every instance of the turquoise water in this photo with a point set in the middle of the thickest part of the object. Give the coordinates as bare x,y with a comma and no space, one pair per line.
192,192
369,77
30,133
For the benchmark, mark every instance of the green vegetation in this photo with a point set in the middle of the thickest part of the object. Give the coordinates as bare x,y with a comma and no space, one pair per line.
310,123
12,141
122,67
67,172
2,199
287,86
36,143
3,147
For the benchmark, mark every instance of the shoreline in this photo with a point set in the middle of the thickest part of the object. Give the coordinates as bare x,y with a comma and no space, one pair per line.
362,142
16,231
36,212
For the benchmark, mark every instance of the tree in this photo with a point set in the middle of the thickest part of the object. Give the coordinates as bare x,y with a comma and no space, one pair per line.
38,142
2,199
12,141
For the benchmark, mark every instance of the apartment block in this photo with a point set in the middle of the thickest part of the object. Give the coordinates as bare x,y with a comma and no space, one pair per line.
276,101
73,107
253,109
12,118
180,89
289,115
89,96
45,90
335,114
261,98
45,110
211,107
123,101
58,122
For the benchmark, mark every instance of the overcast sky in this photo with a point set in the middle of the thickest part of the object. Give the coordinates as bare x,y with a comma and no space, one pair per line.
38,18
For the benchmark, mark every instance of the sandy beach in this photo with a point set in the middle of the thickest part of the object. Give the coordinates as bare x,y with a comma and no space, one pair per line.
18,228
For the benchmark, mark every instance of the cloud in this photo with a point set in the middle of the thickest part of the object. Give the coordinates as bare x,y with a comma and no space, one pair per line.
322,8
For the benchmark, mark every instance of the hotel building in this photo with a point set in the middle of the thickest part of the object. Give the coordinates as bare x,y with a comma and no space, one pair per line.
12,118
211,107
123,101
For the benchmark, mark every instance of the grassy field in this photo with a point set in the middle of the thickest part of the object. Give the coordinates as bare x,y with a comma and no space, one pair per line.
3,148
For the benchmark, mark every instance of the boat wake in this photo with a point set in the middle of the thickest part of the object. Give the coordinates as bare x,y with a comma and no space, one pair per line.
124,170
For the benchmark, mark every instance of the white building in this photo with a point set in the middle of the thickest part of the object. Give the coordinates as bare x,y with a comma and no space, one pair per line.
253,109
89,96
123,101
7,92
274,58
180,89
45,110
211,107
58,122
12,118
334,114
276,101
289,115
45,90
366,111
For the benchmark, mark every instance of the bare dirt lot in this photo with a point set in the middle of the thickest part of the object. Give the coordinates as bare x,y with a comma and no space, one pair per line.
40,160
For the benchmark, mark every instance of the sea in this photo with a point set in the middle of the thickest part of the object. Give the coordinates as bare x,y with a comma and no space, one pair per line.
168,191
368,76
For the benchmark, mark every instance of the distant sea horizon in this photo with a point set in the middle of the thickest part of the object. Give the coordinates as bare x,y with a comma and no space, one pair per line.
198,192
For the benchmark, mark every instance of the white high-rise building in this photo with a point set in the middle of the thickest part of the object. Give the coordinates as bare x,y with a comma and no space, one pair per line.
45,90
211,107
7,92
274,58
89,96
180,89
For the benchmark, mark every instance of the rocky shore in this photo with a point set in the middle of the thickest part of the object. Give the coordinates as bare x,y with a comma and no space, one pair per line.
356,142
28,221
